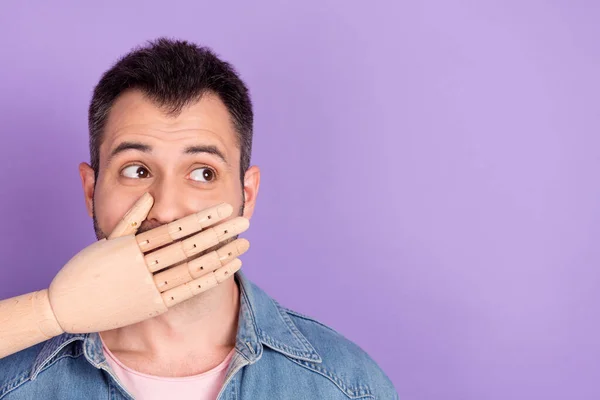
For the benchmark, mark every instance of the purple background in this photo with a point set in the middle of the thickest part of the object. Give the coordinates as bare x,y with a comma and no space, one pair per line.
430,171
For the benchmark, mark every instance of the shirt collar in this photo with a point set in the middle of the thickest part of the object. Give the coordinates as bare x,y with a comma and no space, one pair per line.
262,322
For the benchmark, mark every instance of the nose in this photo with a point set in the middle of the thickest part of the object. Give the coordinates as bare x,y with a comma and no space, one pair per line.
169,202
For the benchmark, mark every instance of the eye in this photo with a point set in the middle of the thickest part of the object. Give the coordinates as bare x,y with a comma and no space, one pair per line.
204,174
135,172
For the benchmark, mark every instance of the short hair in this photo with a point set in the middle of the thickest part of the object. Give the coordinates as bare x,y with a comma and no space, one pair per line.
173,74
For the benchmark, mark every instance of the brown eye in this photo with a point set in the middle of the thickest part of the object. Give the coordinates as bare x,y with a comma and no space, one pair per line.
135,172
203,175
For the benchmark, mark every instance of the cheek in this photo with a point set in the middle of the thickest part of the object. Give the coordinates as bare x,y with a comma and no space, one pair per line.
231,194
110,207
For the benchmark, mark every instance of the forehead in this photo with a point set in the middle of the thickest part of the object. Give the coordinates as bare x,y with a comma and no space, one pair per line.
134,114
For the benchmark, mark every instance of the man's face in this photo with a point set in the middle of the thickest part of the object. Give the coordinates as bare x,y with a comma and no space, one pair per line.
187,163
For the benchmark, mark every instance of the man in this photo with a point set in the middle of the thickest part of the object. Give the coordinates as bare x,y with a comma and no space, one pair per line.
173,120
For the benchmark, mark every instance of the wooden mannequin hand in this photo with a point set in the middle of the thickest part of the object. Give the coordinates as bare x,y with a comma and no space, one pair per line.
116,282
126,278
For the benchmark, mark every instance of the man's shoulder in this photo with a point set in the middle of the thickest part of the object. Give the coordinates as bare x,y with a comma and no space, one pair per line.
341,356
16,368
327,341
311,345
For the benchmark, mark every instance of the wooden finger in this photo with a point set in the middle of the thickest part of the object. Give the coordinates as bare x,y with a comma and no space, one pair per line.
134,217
183,227
179,251
190,289
200,266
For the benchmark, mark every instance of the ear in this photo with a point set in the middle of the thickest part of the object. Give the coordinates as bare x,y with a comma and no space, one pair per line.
87,181
251,186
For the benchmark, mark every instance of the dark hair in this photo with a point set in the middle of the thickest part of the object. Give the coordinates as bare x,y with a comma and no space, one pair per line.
173,74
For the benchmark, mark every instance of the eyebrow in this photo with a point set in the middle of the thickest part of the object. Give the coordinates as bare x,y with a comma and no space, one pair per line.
197,149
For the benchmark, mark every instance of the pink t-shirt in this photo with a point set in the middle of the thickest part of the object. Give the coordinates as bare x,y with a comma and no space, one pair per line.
205,386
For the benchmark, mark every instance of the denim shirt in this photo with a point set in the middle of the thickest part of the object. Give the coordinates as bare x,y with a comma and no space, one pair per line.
280,354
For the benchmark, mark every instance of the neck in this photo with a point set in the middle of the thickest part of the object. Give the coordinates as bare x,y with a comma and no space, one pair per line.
204,327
